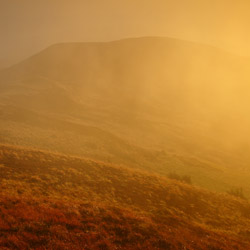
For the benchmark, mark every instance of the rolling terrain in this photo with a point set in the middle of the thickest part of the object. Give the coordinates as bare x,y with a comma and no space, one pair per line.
55,201
140,143
158,104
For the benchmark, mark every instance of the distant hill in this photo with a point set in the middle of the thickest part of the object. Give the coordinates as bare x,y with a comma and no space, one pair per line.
163,69
135,84
158,104
55,201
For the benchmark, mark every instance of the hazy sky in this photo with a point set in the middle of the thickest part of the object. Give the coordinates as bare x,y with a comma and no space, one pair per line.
27,26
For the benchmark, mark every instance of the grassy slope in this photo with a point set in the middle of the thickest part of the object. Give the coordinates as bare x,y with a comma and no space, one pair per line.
54,201
27,128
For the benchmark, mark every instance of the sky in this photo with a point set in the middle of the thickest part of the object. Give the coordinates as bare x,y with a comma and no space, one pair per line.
28,26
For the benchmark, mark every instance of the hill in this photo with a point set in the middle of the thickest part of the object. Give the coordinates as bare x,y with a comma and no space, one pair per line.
159,104
126,84
54,201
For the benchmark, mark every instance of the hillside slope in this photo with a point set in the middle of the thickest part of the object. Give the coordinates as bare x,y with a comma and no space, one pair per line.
159,104
133,82
54,201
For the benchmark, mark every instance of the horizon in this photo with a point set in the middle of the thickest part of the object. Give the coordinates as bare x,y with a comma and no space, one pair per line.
124,39
28,27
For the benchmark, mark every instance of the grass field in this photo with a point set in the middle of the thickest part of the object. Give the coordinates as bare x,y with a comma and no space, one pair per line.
54,201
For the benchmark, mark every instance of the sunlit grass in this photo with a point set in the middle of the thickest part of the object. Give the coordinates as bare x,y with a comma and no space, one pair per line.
54,201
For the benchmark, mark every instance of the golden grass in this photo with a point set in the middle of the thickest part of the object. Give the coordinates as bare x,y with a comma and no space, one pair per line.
54,201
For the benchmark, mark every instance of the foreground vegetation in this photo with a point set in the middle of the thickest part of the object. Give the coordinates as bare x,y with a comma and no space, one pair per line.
54,201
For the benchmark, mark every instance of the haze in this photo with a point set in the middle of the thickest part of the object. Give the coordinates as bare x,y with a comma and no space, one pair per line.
124,125
27,26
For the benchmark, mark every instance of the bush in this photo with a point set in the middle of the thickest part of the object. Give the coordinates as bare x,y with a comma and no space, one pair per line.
237,192
182,178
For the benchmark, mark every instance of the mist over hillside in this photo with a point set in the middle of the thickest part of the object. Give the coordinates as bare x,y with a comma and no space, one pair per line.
159,104
156,78
124,125
140,143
